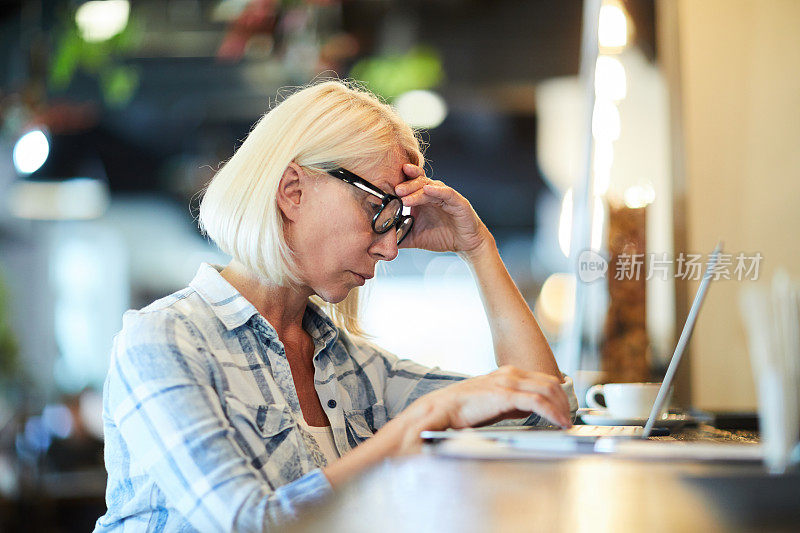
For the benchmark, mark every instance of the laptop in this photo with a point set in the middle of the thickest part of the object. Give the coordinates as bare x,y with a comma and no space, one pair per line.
580,436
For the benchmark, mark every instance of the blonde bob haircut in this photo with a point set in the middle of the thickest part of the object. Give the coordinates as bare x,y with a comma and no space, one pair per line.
324,125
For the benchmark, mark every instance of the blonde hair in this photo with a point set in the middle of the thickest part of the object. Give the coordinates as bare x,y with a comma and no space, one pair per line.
326,124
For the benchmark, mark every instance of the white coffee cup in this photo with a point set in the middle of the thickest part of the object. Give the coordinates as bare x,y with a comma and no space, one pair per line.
624,400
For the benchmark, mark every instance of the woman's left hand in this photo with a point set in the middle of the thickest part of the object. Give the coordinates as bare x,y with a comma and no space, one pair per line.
444,221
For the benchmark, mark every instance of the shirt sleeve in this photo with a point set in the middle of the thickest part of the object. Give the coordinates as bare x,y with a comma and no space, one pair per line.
406,381
160,397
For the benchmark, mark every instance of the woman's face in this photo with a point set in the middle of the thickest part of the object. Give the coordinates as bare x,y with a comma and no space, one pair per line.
332,237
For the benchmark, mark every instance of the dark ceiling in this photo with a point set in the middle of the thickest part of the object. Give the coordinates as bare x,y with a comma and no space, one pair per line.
189,104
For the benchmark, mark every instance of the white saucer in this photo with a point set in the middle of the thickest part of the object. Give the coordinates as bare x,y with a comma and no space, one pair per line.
598,417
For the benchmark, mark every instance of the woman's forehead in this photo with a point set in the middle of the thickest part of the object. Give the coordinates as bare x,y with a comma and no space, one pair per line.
388,173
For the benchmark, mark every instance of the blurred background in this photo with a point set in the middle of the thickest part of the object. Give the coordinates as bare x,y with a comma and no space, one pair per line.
657,128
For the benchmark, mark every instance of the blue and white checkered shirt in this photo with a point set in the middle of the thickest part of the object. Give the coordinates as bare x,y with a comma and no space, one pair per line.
201,414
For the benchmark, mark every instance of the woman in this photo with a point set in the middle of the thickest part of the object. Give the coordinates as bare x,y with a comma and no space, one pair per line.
232,403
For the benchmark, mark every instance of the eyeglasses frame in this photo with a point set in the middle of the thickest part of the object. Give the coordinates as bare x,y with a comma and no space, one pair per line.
386,198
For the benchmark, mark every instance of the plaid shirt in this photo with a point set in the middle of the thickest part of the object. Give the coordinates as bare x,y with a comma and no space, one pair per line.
200,411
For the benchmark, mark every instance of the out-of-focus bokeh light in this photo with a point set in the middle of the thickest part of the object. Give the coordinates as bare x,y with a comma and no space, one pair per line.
100,20
421,109
603,160
91,411
610,82
31,152
639,196
57,418
391,75
613,29
565,223
556,302
560,113
35,438
605,121
70,199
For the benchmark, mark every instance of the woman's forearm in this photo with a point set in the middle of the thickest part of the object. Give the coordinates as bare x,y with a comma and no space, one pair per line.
399,436
465,403
516,336
357,460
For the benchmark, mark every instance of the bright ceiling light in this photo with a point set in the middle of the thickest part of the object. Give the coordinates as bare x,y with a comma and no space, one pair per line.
610,82
421,109
613,30
31,152
100,20
639,196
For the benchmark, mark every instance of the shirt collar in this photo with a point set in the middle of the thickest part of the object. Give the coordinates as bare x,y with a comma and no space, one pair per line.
226,302
233,309
319,326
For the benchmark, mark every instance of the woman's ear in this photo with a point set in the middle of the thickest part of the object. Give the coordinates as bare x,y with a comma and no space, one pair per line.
290,190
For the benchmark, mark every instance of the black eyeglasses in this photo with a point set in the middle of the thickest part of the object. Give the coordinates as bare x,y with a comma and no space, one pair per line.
389,213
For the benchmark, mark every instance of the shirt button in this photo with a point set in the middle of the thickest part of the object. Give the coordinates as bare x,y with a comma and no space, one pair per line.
331,403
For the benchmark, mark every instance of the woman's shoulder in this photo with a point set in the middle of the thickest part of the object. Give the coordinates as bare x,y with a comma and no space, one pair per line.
181,310
174,301
161,346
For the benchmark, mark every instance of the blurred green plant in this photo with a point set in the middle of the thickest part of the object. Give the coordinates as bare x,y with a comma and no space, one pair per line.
9,348
99,59
392,75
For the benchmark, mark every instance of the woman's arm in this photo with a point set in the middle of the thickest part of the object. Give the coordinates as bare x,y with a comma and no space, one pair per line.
467,403
528,380
516,336
445,221
165,413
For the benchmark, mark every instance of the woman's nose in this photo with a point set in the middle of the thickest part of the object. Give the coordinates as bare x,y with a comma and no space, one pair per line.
385,246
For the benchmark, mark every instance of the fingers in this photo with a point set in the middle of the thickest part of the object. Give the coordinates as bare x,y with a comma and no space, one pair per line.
548,387
429,192
412,171
541,404
421,190
425,194
416,180
412,184
498,395
407,188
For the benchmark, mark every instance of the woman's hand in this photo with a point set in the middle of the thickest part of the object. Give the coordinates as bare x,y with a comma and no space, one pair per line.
508,392
444,221
505,393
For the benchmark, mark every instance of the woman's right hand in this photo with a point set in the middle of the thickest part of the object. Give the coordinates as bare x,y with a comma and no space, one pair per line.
508,392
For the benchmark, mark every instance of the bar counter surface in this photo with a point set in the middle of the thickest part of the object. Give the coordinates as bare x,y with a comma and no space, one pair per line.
581,493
